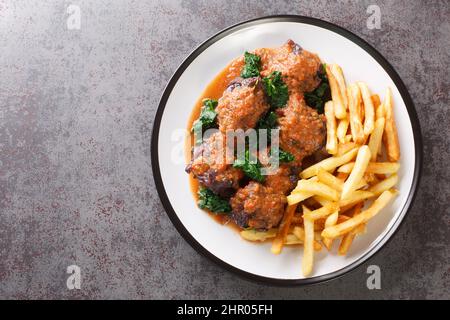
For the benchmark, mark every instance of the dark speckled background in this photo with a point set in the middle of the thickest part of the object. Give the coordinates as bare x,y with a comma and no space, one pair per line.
76,112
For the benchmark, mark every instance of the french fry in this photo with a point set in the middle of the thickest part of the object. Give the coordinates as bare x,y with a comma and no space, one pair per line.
361,163
354,105
342,176
342,129
329,164
368,176
339,76
363,183
256,235
331,144
376,138
299,232
356,197
369,109
375,100
347,239
330,221
346,168
313,178
322,201
318,233
377,178
383,167
339,108
291,239
330,180
379,112
357,209
373,167
345,147
384,185
298,196
342,218
344,227
348,138
322,212
283,229
390,136
318,188
308,251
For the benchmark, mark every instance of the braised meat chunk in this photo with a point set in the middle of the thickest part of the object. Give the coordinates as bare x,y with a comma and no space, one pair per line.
283,180
302,129
300,67
257,206
209,166
241,105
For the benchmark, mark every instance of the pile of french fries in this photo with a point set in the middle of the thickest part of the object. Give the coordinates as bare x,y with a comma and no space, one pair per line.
339,195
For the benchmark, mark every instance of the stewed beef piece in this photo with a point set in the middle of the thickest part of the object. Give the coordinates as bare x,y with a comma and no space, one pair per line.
298,66
302,129
209,165
257,206
283,180
241,105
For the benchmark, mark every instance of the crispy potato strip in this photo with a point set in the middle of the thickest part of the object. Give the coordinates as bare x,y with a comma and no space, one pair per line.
355,117
336,95
277,244
332,144
344,227
369,109
361,163
308,249
390,135
329,164
373,167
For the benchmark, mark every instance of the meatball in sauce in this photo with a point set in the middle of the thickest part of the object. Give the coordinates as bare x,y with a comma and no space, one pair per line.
242,103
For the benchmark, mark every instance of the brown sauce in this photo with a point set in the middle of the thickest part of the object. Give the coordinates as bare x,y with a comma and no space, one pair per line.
214,90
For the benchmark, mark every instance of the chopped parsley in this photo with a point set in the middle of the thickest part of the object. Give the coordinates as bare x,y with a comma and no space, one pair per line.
252,65
276,90
206,120
316,99
251,170
212,202
284,156
268,122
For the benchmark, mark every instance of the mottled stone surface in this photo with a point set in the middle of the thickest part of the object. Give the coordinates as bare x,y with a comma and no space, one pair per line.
76,112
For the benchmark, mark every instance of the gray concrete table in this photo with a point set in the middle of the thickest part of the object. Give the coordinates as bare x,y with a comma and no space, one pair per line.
76,112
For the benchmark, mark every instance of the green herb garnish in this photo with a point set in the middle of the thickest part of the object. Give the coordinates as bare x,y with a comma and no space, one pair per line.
268,122
206,120
211,201
283,156
252,65
276,90
251,170
316,99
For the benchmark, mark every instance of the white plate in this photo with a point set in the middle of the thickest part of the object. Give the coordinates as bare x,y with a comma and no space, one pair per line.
222,244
